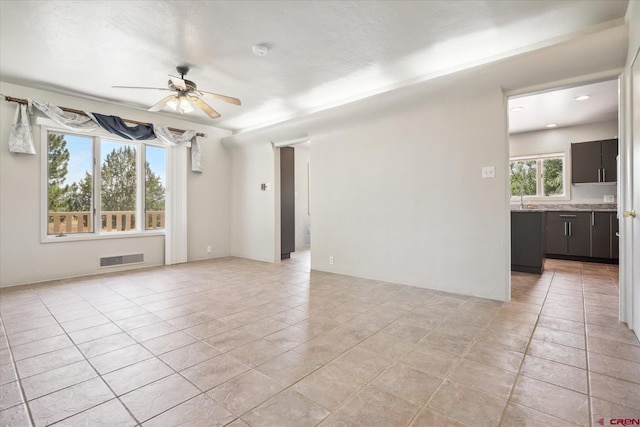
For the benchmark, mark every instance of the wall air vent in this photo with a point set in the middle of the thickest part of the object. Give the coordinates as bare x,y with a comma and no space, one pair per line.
114,261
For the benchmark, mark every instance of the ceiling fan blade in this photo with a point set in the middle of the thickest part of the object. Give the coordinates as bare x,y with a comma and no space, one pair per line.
224,98
162,103
178,82
139,87
204,107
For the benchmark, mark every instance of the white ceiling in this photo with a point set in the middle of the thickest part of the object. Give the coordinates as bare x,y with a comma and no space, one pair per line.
322,53
561,108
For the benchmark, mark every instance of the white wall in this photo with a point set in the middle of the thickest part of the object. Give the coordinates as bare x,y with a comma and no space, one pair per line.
253,228
24,259
303,219
401,198
559,140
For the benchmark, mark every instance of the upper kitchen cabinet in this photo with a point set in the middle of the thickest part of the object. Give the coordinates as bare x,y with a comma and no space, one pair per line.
594,161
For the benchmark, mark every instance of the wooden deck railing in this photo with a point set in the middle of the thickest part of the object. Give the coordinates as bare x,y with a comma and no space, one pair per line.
81,222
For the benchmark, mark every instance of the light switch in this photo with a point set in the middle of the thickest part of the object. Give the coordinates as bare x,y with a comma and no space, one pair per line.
489,172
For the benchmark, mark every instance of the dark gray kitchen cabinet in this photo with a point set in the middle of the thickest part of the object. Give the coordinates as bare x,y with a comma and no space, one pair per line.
527,241
594,161
568,233
604,239
601,235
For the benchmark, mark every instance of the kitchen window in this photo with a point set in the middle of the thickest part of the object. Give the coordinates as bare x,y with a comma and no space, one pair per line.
98,186
538,177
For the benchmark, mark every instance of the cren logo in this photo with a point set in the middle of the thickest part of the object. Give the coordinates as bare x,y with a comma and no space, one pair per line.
619,421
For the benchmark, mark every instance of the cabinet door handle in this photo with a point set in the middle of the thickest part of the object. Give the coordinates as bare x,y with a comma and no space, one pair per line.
599,180
566,228
568,216
569,229
593,219
604,175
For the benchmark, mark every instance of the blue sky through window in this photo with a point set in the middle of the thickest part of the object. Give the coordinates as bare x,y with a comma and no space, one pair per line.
80,157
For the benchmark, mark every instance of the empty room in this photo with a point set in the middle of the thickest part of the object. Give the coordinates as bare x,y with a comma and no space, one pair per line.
319,213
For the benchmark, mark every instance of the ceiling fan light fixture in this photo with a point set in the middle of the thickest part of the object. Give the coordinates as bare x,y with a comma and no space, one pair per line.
173,104
184,104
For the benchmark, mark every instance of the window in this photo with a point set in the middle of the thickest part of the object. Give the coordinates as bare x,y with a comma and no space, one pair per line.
97,185
541,176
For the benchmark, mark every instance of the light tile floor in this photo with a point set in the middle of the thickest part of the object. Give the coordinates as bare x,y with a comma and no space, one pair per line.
237,342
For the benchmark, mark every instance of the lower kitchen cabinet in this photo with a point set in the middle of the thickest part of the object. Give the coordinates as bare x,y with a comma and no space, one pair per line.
604,241
527,241
568,233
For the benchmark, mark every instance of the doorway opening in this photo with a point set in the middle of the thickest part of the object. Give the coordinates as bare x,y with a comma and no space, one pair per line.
563,146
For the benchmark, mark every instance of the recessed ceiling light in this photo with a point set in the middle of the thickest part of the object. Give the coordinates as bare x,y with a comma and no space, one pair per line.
552,125
517,109
582,97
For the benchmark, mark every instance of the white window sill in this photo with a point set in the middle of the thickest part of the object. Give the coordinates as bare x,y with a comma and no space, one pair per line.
91,236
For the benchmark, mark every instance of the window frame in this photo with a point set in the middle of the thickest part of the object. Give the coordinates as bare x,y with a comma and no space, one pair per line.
47,126
539,158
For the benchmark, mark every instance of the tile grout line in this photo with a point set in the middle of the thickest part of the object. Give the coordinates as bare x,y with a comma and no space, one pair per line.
586,347
533,331
18,379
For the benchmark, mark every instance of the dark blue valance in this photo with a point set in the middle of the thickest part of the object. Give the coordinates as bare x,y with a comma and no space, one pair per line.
116,125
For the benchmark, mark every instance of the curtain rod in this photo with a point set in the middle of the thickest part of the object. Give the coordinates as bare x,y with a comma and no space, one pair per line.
82,113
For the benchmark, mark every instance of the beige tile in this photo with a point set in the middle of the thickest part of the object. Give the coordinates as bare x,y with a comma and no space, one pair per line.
201,411
558,353
168,342
208,329
57,379
615,367
407,382
157,397
16,416
430,418
482,377
111,413
374,406
151,331
504,339
432,362
137,375
329,387
35,334
230,340
288,367
106,344
555,373
264,327
7,373
498,357
137,321
10,395
287,408
335,421
406,332
189,355
553,400
245,392
289,337
213,372
614,349
518,415
467,405
386,346
623,335
559,337
561,324
614,390
95,332
257,352
362,363
45,362
117,359
84,323
69,401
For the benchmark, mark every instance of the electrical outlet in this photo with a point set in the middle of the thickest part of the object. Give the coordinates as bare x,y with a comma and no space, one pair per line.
209,249
609,198
330,260
489,172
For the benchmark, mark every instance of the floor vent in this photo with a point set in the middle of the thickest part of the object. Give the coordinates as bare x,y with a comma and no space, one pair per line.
113,261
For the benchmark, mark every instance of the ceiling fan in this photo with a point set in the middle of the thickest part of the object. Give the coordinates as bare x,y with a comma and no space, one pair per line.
187,95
